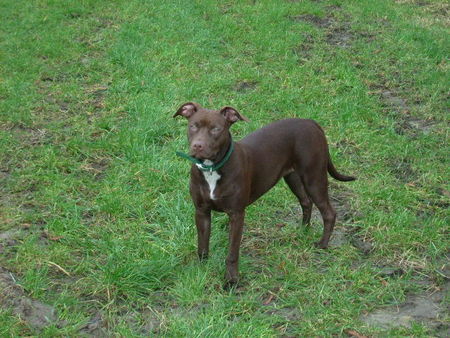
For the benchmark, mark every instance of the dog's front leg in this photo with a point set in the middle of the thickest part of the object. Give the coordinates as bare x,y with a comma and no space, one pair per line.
236,227
203,223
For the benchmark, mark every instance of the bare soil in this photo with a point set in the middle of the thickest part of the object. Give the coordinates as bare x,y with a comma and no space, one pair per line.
34,313
428,308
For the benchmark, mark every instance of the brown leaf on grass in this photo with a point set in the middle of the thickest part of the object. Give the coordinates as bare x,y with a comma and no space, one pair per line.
444,192
51,237
96,134
354,333
269,299
280,225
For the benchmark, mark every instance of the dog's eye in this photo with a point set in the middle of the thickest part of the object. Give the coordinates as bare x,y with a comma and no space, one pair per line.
216,130
193,127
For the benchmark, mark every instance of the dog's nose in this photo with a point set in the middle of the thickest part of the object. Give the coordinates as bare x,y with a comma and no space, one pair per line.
197,146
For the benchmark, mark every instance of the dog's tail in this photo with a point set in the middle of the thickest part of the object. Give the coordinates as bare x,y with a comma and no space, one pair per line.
334,173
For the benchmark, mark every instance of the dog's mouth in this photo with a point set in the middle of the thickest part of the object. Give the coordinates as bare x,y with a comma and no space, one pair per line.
212,154
201,155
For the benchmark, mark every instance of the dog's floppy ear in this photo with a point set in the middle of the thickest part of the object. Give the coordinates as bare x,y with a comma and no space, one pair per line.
187,109
232,115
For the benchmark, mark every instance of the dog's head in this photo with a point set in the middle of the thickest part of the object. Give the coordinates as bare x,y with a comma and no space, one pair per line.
208,130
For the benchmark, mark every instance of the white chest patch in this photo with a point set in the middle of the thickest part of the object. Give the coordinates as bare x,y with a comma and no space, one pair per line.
211,178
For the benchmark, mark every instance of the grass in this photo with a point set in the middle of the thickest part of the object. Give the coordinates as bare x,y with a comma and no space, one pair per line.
98,204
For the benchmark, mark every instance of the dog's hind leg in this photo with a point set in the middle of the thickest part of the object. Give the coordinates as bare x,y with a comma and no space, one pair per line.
316,185
296,185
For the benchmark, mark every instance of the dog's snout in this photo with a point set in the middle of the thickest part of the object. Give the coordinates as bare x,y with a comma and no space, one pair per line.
197,146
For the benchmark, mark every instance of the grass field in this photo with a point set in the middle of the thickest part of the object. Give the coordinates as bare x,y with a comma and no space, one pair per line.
96,223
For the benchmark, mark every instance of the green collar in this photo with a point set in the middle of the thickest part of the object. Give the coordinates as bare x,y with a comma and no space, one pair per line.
205,167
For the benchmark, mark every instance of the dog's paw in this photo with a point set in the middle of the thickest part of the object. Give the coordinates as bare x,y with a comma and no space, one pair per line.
202,256
321,245
230,285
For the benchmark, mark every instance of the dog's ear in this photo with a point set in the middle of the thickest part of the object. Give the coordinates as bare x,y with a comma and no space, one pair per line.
187,109
232,115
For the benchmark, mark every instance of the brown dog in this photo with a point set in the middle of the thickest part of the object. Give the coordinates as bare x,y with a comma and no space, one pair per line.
227,176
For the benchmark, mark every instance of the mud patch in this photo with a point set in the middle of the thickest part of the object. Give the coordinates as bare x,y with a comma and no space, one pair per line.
145,322
97,94
8,235
94,327
34,313
286,313
245,86
413,127
406,124
341,37
44,85
304,50
347,146
435,8
152,322
390,272
351,235
11,238
427,309
338,34
393,100
31,136
402,170
8,238
428,207
361,243
4,173
321,22
284,316
73,15
340,199
443,192
338,237
96,167
440,10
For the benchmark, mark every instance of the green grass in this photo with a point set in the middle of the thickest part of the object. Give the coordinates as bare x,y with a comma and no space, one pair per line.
89,179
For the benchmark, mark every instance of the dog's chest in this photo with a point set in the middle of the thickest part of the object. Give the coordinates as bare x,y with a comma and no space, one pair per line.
211,178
